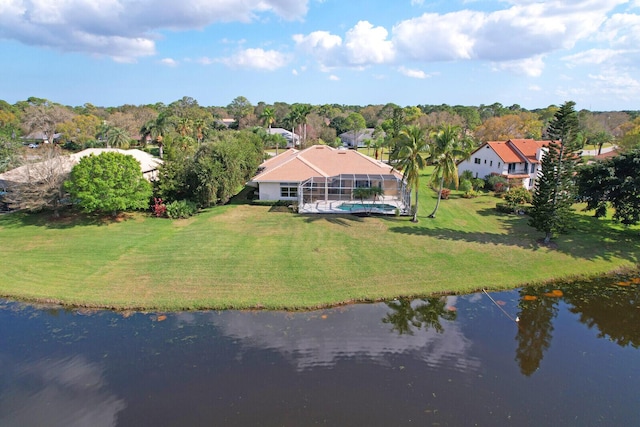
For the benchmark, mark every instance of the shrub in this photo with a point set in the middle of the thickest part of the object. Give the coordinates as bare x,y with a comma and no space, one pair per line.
466,185
517,196
494,180
499,188
466,175
506,208
159,208
445,193
478,183
72,146
271,202
181,209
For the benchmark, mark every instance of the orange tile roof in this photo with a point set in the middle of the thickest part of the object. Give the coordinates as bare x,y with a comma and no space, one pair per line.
517,150
319,161
505,152
528,148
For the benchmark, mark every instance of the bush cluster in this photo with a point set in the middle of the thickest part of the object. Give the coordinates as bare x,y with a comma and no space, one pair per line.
181,209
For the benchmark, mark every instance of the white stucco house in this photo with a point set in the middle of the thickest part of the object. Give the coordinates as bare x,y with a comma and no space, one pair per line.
293,139
513,159
358,139
63,165
321,179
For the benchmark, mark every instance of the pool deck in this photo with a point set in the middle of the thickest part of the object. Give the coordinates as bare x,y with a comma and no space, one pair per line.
333,207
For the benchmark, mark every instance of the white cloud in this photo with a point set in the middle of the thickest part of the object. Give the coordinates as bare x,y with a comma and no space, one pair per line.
531,67
258,59
615,82
363,45
524,30
322,45
622,30
535,88
416,74
516,39
124,29
334,78
593,57
366,44
169,62
434,37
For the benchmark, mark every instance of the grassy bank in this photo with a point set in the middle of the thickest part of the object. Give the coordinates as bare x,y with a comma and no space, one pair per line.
243,256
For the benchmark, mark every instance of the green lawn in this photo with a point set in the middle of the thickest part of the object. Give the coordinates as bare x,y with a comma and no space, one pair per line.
244,256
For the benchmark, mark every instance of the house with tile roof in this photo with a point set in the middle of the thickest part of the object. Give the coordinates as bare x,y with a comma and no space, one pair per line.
513,159
321,178
63,165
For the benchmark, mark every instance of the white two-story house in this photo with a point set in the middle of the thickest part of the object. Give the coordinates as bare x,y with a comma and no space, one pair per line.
513,159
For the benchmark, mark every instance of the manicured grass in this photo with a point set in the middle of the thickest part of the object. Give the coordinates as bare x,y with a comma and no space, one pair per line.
244,256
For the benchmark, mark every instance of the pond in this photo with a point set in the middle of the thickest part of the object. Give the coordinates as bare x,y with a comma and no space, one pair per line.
564,354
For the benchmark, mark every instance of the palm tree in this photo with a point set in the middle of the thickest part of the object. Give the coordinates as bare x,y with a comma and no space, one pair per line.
200,126
414,143
117,137
293,119
183,126
446,150
298,117
268,118
156,129
304,110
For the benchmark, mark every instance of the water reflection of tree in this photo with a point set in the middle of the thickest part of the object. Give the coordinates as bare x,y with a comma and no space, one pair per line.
535,329
610,308
408,314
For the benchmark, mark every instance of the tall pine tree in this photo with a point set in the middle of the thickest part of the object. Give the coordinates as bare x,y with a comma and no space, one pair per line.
555,189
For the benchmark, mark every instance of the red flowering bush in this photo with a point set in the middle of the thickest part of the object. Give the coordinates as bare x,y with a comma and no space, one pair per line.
159,208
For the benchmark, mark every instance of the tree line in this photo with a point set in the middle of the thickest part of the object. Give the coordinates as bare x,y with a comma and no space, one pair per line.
210,151
186,122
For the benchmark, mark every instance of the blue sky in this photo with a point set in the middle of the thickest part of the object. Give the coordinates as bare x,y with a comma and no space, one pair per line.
357,52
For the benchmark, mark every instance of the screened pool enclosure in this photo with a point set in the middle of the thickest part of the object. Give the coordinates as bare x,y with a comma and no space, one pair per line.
333,194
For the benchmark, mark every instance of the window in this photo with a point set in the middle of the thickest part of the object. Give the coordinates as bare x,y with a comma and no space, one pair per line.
485,161
511,167
476,160
288,190
491,163
499,164
363,183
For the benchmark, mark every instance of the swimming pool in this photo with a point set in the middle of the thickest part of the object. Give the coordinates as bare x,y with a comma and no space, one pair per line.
351,207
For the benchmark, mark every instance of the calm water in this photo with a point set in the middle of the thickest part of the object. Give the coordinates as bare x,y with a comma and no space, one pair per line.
572,359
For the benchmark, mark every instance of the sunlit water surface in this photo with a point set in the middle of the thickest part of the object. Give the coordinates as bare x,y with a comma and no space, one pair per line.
571,358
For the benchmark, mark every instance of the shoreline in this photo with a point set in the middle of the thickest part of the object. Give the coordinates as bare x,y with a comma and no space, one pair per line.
624,272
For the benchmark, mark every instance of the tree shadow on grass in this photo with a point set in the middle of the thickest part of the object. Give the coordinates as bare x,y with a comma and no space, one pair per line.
589,239
337,219
67,219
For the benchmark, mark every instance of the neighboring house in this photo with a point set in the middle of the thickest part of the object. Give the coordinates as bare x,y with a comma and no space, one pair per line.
293,140
513,159
148,165
358,139
40,137
225,122
322,174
